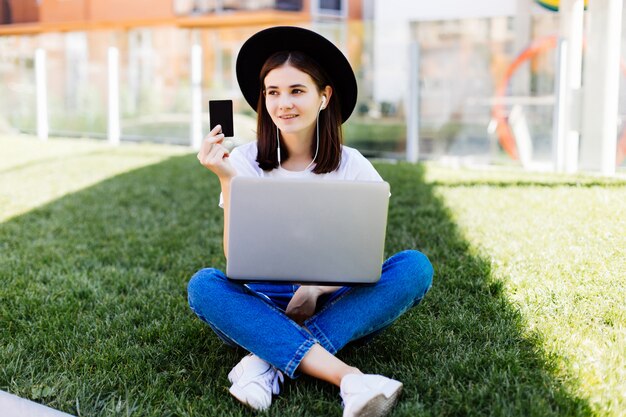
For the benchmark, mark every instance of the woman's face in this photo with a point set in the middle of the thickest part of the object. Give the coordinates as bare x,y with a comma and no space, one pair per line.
292,99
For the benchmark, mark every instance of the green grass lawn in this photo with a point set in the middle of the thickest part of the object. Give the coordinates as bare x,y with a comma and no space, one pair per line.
33,172
526,316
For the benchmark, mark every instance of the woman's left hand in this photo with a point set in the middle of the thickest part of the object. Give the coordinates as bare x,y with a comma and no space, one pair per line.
303,303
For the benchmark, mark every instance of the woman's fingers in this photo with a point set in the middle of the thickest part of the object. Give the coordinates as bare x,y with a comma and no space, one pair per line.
214,136
210,139
217,153
215,156
217,129
208,143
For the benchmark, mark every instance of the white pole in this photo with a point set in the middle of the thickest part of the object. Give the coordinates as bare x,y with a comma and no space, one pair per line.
522,36
601,86
114,97
412,137
570,76
574,67
560,92
196,96
41,94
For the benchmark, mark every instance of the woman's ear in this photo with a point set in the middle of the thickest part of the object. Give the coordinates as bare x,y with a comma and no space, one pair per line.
327,92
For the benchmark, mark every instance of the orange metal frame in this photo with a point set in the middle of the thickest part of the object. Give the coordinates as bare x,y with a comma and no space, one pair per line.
213,21
498,112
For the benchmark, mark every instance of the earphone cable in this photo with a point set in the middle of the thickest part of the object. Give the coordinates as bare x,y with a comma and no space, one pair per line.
317,146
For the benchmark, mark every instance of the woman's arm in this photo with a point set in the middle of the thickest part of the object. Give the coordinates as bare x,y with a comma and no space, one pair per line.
327,289
226,196
214,155
302,304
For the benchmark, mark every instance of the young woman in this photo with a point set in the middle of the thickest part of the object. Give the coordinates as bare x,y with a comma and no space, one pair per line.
303,89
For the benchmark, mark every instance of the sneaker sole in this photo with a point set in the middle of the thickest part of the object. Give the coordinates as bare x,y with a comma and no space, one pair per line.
232,375
240,395
378,405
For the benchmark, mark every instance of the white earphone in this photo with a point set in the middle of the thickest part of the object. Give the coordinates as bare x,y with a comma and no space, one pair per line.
323,103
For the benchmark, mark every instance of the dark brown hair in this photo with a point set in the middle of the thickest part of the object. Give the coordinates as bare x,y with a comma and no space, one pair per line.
329,154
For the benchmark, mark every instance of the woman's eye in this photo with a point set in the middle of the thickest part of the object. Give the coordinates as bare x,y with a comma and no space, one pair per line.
297,91
271,93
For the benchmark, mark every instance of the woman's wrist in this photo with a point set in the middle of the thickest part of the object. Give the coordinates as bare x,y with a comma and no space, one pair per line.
225,185
225,180
322,289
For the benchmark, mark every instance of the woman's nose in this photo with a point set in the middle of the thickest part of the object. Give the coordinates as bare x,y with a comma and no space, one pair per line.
285,102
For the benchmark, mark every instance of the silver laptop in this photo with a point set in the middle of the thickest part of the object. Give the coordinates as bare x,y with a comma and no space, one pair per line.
306,231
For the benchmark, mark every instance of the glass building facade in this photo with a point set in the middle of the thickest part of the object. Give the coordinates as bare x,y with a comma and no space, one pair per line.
462,68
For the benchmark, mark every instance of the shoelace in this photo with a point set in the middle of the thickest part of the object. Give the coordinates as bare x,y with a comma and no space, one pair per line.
272,377
278,376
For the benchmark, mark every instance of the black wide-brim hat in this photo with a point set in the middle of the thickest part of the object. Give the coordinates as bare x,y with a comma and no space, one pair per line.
265,43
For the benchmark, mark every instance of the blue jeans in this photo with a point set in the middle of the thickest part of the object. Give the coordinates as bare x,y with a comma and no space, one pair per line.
253,317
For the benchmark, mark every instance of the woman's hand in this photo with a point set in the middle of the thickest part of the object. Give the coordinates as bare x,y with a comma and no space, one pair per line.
214,155
303,303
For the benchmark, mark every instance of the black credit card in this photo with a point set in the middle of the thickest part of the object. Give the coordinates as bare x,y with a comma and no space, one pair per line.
221,113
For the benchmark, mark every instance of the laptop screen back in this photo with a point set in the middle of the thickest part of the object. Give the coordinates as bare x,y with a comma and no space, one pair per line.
309,231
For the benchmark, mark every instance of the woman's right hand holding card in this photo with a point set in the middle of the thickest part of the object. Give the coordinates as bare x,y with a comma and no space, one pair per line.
214,155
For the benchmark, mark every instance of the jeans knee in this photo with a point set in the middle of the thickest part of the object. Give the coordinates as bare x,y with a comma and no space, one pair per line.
200,286
418,274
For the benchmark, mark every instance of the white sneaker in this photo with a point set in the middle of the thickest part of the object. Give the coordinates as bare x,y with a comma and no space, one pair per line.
368,395
254,381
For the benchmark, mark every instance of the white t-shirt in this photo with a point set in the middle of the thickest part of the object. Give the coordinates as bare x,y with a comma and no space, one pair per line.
353,167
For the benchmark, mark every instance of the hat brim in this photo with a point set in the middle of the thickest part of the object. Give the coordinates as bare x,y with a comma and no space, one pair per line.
263,44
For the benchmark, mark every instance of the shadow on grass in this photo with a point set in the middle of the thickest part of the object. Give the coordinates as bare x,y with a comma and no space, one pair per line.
95,320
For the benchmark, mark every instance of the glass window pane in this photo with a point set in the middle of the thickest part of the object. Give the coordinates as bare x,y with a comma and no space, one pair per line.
330,5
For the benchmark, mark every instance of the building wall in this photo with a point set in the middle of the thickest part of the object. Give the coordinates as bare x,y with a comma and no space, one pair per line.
121,10
19,11
400,10
355,9
56,11
392,34
131,12
5,15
